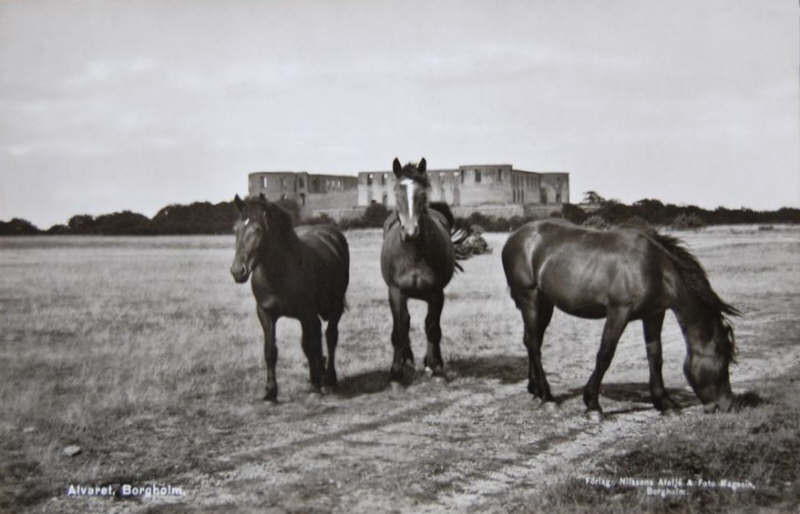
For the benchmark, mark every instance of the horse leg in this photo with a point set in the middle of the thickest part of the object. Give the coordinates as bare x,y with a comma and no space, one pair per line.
652,338
616,320
536,314
400,325
270,352
312,347
331,339
433,331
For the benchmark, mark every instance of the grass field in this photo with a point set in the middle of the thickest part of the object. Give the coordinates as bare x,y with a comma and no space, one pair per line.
146,354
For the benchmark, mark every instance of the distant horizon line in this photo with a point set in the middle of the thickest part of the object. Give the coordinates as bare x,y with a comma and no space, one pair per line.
577,204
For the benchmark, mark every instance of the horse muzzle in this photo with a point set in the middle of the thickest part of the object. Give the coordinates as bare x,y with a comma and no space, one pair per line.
240,274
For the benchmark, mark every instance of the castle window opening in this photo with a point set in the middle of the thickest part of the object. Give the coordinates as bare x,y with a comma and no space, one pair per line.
369,179
302,199
478,176
300,182
500,175
462,176
383,179
543,196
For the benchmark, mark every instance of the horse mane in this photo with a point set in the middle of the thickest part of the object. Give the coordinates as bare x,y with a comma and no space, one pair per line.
696,281
277,217
410,170
693,274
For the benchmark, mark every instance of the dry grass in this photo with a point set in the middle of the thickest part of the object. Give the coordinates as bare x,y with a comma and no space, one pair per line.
146,354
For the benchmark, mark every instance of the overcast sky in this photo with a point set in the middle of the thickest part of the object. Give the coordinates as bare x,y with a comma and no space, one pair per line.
106,105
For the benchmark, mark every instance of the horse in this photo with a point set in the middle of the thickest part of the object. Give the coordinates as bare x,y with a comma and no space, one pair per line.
301,273
417,261
621,275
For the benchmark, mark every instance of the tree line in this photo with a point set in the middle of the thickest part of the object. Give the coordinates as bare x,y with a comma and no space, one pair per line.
208,218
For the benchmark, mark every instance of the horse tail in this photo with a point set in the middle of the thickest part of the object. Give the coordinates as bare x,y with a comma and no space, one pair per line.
457,234
692,273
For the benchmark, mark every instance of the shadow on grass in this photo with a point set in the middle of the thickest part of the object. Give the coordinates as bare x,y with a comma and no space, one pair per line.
639,392
509,369
374,381
748,400
368,382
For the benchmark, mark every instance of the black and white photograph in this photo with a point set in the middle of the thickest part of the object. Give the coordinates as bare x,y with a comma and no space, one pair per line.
350,256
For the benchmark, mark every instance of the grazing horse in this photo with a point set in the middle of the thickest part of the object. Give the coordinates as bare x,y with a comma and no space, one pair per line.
620,275
301,274
417,261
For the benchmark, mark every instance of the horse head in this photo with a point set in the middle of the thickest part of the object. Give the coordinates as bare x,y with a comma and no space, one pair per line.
259,222
411,196
706,367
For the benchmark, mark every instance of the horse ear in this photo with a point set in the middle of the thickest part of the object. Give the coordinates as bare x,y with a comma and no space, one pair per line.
422,166
239,204
397,167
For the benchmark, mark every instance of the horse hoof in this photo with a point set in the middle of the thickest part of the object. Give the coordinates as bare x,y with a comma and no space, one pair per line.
428,371
396,387
594,415
270,396
326,390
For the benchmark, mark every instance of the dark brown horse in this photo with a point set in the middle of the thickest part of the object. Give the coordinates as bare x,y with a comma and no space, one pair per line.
300,274
620,275
417,261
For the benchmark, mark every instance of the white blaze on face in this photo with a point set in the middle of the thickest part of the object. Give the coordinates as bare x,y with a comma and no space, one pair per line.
410,186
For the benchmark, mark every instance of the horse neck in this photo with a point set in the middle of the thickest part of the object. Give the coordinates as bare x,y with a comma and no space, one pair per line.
695,318
280,248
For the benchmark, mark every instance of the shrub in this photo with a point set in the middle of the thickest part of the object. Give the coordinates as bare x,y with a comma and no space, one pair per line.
322,219
636,222
375,215
573,213
686,221
596,221
18,227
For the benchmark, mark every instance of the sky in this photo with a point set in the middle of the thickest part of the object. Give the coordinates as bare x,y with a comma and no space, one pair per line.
133,105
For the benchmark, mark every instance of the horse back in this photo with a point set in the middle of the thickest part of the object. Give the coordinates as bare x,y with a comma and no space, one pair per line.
584,270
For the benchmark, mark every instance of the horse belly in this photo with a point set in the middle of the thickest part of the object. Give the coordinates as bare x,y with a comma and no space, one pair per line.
574,297
595,311
419,279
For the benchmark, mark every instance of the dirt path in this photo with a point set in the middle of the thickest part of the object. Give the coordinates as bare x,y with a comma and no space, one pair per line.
431,448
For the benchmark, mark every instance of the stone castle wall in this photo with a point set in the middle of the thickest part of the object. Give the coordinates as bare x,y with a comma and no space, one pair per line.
492,189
